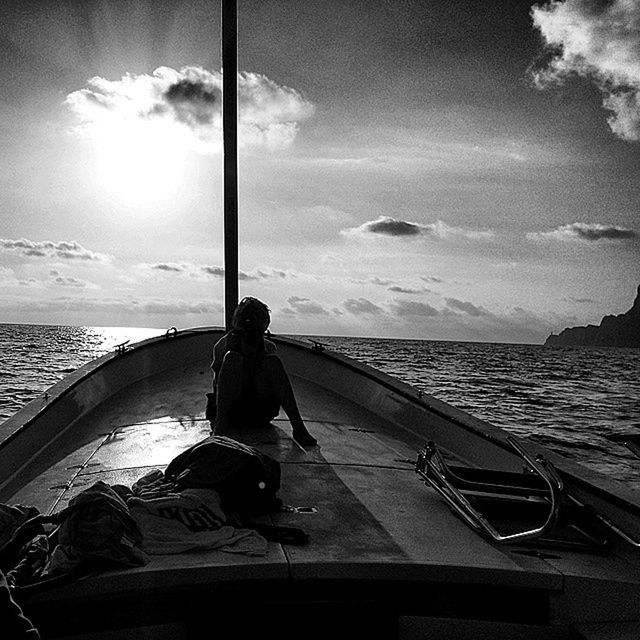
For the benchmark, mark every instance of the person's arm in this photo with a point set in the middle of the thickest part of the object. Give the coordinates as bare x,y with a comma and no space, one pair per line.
219,349
14,623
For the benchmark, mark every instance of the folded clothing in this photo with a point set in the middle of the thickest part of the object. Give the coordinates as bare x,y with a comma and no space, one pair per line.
190,520
153,485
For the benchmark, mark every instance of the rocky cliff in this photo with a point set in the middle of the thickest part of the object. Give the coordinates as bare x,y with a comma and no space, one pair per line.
613,331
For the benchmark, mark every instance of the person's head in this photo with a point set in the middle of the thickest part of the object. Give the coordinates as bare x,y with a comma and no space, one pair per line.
251,316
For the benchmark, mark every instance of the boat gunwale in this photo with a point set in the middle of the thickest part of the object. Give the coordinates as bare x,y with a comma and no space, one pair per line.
570,470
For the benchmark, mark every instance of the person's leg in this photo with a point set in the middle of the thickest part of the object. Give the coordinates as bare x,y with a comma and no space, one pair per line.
275,381
228,389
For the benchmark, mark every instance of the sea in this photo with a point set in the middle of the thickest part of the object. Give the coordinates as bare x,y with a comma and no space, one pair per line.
569,399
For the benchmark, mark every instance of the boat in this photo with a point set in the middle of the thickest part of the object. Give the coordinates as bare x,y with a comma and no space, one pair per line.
420,520
390,553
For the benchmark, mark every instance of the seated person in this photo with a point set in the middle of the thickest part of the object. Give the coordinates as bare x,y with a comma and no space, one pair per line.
250,381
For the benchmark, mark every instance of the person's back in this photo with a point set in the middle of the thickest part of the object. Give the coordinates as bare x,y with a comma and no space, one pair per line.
250,382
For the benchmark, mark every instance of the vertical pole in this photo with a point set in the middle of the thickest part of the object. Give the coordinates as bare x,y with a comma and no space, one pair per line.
230,152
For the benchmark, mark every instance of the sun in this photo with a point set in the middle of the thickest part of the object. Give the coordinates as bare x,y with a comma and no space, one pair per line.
140,162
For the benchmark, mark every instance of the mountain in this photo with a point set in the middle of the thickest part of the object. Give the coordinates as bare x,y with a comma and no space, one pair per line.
613,331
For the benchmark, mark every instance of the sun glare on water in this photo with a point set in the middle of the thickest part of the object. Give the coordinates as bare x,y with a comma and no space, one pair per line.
140,162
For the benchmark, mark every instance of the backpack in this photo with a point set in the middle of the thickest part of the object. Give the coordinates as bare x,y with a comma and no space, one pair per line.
246,479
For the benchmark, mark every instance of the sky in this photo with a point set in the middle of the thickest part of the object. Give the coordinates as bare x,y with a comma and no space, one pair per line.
415,169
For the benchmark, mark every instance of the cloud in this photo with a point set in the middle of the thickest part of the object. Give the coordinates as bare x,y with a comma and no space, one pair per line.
264,273
65,250
466,307
361,306
189,102
68,281
583,231
399,289
168,267
390,227
387,226
432,279
306,306
131,306
31,282
206,271
598,41
582,300
403,308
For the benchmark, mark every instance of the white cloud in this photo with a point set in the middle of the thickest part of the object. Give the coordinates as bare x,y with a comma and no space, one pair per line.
361,306
585,232
599,41
189,101
305,306
64,250
466,307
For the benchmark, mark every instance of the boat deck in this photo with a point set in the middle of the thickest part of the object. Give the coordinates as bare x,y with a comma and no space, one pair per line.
359,468
370,519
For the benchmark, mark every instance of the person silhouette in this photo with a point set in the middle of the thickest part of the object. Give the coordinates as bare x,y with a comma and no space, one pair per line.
250,382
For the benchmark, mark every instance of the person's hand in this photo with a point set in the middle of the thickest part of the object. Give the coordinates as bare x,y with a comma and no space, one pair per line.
303,437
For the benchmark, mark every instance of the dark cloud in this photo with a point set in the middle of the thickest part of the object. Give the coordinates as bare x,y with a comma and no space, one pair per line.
598,232
271,273
398,289
361,306
167,266
589,232
65,250
191,91
387,226
432,279
391,227
216,272
466,307
193,102
404,308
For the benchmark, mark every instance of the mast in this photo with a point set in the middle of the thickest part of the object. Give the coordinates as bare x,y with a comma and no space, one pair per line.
230,153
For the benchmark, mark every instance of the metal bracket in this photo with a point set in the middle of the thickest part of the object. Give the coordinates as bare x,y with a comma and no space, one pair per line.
318,347
122,347
433,469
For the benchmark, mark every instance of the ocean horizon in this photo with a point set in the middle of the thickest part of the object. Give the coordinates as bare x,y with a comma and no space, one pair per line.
569,399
